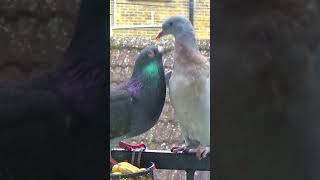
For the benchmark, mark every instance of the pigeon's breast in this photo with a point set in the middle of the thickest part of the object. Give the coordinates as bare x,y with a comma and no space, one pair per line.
190,97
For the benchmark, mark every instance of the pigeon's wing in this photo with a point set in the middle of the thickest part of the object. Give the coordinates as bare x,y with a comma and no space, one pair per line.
120,112
205,63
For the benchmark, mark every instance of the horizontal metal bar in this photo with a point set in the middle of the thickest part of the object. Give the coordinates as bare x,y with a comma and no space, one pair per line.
166,159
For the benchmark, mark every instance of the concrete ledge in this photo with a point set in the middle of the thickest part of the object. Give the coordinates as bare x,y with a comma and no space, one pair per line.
140,43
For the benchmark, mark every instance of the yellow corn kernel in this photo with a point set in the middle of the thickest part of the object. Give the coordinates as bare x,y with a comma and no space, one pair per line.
142,169
127,167
115,168
117,172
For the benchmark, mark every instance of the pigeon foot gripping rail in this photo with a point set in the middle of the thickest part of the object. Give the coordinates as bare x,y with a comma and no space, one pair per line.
130,147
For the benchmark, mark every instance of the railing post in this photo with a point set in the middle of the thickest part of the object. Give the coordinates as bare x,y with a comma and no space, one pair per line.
190,174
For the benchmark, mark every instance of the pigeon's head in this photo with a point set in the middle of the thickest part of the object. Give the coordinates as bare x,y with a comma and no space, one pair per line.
149,61
175,25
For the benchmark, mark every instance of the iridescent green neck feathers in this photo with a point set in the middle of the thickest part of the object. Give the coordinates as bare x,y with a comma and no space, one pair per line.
152,70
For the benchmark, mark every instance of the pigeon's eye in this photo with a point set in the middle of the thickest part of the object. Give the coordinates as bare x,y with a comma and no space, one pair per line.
155,52
151,54
171,23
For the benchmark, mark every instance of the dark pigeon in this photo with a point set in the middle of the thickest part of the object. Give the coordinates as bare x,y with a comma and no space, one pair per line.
189,86
267,96
136,105
53,126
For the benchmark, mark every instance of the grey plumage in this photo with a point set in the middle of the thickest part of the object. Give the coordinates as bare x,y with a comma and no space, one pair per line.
168,76
189,85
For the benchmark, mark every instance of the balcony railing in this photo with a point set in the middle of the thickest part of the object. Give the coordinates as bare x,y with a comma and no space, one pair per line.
166,160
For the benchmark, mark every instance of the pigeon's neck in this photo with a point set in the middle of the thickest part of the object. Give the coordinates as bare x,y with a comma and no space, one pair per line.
147,80
150,72
186,50
187,38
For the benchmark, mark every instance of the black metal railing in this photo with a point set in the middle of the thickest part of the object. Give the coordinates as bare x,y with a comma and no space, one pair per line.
166,160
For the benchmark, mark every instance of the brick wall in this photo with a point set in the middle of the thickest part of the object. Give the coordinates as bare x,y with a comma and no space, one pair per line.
33,36
138,12
202,19
166,133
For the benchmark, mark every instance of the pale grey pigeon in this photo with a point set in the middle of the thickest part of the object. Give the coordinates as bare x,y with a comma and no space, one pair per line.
189,86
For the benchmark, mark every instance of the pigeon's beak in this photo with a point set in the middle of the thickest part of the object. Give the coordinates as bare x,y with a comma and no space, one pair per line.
159,35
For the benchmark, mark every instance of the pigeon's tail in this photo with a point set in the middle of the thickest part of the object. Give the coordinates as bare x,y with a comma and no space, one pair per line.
167,77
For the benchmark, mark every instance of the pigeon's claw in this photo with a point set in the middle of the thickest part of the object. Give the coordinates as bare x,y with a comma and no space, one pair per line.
178,149
112,161
202,152
130,147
